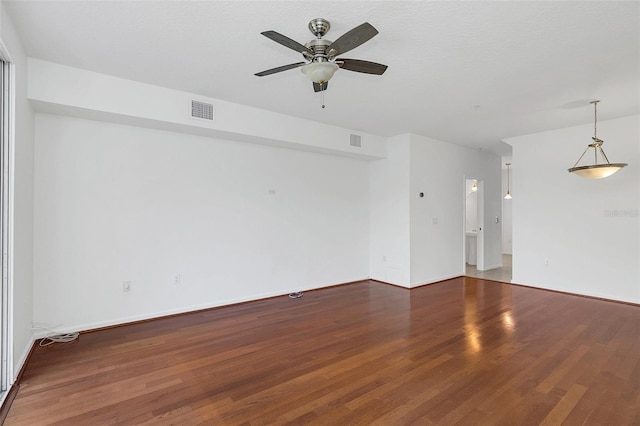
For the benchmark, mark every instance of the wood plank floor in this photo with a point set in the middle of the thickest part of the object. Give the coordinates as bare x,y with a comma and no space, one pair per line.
464,351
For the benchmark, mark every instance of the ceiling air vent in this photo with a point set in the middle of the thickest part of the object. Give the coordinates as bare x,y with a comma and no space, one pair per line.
355,140
201,110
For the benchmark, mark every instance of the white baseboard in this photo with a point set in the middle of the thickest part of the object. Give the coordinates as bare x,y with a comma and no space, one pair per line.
23,359
182,310
435,280
572,292
490,267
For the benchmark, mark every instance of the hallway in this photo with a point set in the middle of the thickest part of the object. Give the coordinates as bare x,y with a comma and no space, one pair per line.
502,274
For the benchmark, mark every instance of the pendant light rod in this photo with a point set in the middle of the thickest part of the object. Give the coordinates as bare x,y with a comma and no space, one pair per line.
508,194
595,119
596,171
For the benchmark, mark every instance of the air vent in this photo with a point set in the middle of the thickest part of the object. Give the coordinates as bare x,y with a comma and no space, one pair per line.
201,110
355,140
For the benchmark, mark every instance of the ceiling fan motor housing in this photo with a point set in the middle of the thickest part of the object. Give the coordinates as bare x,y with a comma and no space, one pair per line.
319,47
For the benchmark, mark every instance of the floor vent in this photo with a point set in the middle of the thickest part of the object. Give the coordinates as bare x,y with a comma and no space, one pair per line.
355,140
201,110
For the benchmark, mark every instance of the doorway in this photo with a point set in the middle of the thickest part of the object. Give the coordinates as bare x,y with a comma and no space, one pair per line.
507,218
473,253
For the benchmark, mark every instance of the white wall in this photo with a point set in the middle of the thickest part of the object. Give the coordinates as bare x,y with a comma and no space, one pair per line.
407,247
22,288
587,230
390,225
118,203
71,91
440,170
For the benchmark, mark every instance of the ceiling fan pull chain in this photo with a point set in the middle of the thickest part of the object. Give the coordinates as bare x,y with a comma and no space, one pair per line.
322,91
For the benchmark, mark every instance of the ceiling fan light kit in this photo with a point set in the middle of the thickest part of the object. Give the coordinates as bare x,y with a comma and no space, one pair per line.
321,55
320,72
596,170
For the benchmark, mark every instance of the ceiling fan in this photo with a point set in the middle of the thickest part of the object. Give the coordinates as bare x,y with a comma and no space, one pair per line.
321,54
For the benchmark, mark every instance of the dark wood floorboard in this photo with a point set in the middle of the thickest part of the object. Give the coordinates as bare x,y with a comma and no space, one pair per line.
460,352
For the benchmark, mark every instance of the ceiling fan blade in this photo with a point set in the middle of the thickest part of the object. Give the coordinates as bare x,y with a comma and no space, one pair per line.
358,65
317,87
287,42
352,39
280,69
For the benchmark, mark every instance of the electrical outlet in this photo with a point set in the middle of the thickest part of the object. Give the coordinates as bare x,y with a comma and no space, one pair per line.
126,285
177,279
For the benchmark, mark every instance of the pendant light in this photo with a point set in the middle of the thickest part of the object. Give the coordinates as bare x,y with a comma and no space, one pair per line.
596,171
508,196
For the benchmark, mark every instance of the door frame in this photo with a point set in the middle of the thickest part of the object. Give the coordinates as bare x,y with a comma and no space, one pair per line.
7,144
480,218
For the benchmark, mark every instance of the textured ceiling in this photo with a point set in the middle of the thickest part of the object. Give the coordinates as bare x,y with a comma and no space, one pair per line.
471,73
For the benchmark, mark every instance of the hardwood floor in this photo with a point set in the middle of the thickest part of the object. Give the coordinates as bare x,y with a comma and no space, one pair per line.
464,351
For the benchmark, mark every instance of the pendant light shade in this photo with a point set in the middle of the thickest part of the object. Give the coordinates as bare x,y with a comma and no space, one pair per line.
596,170
508,195
320,72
